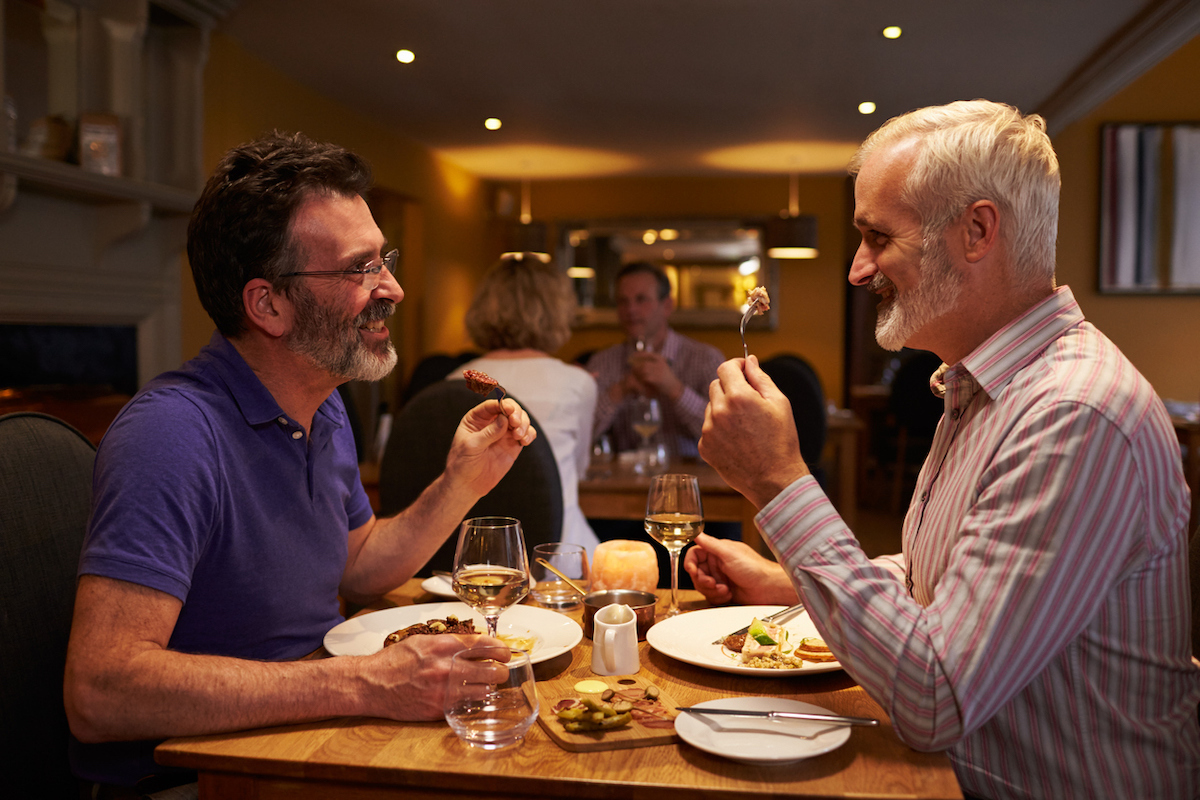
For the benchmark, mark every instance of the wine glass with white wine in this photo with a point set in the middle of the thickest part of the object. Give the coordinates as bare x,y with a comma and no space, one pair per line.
674,517
491,570
646,420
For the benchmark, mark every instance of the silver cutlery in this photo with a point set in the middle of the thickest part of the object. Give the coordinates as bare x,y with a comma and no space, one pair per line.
831,718
778,617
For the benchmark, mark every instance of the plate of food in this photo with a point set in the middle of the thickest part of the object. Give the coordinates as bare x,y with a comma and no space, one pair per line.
769,651
757,740
540,632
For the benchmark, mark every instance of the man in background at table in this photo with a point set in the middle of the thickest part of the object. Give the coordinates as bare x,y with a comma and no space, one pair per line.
1036,624
654,361
228,513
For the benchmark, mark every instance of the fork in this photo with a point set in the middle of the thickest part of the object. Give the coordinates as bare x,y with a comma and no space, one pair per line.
778,616
750,312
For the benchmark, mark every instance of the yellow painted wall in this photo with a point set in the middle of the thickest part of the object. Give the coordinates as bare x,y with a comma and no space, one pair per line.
1158,334
245,97
810,297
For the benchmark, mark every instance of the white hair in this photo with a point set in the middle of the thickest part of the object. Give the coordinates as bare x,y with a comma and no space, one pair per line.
980,150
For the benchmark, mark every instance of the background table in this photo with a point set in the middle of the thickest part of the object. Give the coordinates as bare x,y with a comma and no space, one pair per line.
370,758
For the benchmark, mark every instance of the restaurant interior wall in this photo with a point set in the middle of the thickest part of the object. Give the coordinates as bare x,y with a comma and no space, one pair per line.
810,297
1158,333
443,221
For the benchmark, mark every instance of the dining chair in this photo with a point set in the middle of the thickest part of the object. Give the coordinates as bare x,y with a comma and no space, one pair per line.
798,381
45,499
913,416
416,454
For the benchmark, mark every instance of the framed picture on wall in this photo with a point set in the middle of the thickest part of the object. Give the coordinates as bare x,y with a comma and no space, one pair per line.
1150,208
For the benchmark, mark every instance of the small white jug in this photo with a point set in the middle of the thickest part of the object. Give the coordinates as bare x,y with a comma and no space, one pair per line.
614,643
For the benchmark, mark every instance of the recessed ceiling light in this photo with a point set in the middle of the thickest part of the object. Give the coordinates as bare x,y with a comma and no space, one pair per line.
892,32
405,56
492,124
866,107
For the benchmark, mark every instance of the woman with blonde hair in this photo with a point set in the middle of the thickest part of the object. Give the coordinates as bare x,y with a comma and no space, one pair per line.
520,316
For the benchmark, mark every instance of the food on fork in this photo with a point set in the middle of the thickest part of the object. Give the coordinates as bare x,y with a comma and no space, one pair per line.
481,382
433,627
759,300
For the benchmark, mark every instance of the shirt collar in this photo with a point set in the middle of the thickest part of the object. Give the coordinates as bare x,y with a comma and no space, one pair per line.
994,363
253,399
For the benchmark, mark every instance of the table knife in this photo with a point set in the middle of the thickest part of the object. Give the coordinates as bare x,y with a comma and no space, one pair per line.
778,616
831,718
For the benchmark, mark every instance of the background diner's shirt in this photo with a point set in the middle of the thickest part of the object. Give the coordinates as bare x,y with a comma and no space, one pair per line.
694,364
1044,636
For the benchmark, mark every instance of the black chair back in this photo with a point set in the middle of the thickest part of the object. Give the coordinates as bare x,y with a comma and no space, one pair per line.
796,378
430,370
45,500
416,455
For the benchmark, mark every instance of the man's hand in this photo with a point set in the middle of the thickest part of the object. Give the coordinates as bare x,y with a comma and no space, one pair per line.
486,444
408,679
654,376
725,571
749,435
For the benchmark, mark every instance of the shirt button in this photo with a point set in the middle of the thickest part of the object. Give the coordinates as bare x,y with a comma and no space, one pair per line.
955,413
297,434
924,497
282,420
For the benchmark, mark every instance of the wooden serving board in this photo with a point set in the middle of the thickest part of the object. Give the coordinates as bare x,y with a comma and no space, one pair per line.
635,734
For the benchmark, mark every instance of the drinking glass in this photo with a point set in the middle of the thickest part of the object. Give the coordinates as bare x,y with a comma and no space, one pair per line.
491,572
549,589
490,703
646,420
674,517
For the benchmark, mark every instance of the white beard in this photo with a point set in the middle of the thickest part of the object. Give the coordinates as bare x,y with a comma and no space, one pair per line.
937,291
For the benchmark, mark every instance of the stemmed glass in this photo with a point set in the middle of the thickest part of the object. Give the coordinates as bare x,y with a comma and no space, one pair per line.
491,571
674,517
646,419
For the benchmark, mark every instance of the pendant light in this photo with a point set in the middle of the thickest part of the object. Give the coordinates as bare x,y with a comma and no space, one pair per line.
526,237
792,235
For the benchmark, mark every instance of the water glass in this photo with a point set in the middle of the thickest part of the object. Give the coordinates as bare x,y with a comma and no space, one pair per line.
490,703
549,589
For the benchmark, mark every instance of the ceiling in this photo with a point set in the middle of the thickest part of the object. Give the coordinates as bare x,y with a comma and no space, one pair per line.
678,87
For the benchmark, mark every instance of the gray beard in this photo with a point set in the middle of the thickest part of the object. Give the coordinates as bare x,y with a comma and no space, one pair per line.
936,292
332,343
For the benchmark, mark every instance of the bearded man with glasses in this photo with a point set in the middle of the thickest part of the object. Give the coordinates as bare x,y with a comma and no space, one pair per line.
228,514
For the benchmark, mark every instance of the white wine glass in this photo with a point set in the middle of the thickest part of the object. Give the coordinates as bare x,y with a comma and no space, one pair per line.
646,420
491,570
674,517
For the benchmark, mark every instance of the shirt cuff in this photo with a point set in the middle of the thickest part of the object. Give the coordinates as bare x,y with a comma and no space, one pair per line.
798,520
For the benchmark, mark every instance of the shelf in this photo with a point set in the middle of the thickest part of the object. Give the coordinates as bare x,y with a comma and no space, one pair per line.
53,177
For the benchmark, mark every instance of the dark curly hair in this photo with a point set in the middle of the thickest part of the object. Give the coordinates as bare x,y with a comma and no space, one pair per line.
240,226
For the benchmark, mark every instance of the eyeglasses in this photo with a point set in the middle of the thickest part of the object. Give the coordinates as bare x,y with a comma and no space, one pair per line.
370,273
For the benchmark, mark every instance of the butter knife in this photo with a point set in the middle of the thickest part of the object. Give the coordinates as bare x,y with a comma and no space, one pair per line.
831,718
778,616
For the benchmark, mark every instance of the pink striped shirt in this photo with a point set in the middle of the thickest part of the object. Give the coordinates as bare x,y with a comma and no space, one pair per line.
1037,625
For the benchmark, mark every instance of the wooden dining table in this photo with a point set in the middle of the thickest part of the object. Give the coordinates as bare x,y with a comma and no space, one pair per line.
364,758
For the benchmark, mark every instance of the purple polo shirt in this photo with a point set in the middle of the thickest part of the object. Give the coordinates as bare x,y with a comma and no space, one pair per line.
206,490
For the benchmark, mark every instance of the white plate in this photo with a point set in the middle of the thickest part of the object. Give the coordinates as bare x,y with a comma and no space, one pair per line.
363,635
688,637
756,740
437,585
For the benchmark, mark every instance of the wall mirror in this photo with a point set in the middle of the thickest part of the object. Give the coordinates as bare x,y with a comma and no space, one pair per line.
1150,209
712,263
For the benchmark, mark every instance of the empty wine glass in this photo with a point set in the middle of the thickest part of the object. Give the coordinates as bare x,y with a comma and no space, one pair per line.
491,571
674,517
